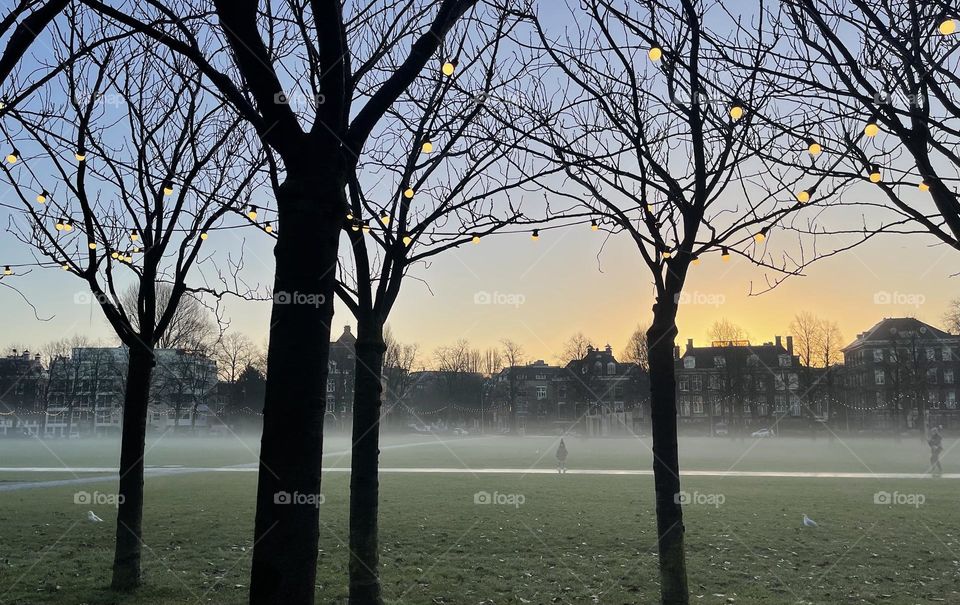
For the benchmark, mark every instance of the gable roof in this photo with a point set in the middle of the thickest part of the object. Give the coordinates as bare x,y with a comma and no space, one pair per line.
899,328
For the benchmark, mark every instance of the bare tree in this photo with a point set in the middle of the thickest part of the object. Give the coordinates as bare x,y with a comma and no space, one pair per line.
951,319
190,328
636,351
574,348
492,361
21,27
133,202
806,329
234,353
725,330
660,135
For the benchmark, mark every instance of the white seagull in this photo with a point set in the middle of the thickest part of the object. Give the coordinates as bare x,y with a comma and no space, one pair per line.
808,522
93,518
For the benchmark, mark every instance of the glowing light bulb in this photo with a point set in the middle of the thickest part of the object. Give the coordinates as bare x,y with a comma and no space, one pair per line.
923,186
81,155
349,215
449,67
948,27
7,270
366,227
59,225
268,227
427,146
804,196
655,54
406,240
760,237
666,254
594,226
204,235
875,175
475,239
725,255
168,188
814,148
13,157
134,236
92,245
68,225
871,129
114,254
252,214
408,193
355,227
535,235
42,198
66,267
695,260
385,219
736,112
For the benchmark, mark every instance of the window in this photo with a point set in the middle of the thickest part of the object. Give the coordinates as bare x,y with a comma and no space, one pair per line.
780,401
951,400
753,360
689,362
879,377
696,383
719,361
948,377
611,368
931,354
932,376
881,400
878,356
785,361
794,405
794,381
714,381
698,405
541,392
947,355
780,384
761,384
684,384
541,377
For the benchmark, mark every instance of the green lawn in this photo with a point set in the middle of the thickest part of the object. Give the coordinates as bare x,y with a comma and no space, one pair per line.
574,539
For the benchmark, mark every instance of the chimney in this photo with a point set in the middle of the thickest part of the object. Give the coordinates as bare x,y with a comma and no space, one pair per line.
346,329
790,344
609,349
676,351
689,343
26,354
779,343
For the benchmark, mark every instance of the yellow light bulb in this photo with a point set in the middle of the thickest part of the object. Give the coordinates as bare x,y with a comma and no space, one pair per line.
803,197
695,260
168,191
448,68
594,226
252,215
736,112
68,227
875,176
476,239
42,198
80,155
725,256
427,147
66,267
535,235
815,149
134,236
204,236
948,27
92,245
268,228
408,193
871,129
666,254
114,255
385,219
406,240
13,157
923,186
759,238
655,54
7,271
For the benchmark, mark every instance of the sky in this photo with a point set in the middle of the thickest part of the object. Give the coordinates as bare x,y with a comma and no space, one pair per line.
540,293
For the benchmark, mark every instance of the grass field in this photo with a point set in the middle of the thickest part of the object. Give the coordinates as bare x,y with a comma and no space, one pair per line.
559,539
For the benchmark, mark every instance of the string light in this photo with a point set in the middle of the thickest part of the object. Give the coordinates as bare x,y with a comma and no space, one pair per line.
875,175
268,227
204,235
736,112
427,146
813,147
136,249
252,214
42,197
695,260
92,245
168,187
666,254
366,226
68,225
761,236
406,240
725,255
81,154
804,196
655,53
449,67
7,270
947,27
594,226
535,235
66,267
13,157
923,186
475,239
385,219
59,224
134,236
871,129
355,226
408,193
114,254
349,215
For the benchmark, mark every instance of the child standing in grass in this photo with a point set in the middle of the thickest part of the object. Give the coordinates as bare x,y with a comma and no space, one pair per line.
562,458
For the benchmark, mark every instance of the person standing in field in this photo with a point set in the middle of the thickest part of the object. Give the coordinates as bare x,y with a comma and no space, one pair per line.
936,447
562,457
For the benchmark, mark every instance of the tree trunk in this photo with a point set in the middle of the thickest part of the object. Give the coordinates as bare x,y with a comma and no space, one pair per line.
126,560
287,519
666,464
364,482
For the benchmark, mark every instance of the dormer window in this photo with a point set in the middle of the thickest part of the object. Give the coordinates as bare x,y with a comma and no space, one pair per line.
689,362
611,368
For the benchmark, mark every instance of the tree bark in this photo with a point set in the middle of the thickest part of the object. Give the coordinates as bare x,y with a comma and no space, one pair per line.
666,463
127,574
287,518
364,481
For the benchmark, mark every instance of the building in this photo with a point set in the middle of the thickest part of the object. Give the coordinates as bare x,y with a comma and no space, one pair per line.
901,374
22,380
86,392
341,374
734,386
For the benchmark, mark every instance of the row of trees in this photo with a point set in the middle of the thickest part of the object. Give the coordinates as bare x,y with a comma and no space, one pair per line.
690,129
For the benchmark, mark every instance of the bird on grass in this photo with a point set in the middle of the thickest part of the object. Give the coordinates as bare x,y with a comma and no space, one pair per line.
93,518
808,522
